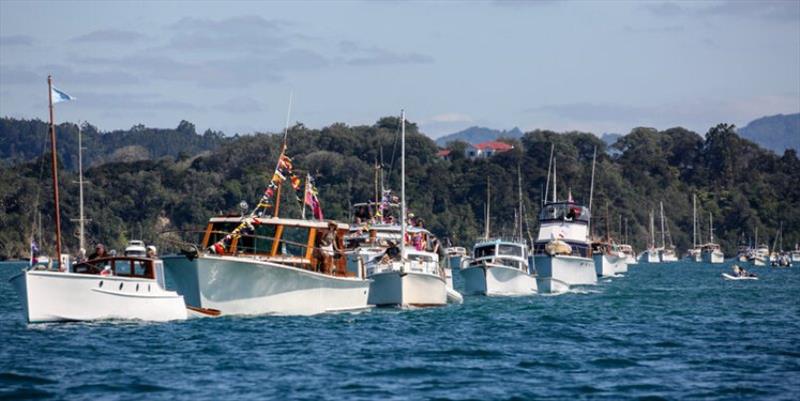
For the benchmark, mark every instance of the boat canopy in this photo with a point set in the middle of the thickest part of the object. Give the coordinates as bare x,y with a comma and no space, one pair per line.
564,211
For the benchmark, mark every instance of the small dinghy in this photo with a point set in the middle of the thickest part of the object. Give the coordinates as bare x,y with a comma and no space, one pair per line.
727,276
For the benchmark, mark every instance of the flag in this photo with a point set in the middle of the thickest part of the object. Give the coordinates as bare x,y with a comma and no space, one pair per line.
59,96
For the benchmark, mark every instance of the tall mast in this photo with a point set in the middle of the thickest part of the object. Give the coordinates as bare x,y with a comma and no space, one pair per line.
488,210
663,241
555,186
652,230
283,151
549,166
694,221
519,184
403,183
591,190
81,220
626,231
711,227
54,167
608,225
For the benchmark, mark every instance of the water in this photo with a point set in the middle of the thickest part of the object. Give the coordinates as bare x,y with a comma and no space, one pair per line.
662,332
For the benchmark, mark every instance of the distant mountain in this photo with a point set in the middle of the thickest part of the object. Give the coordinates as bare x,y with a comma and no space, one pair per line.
777,133
475,135
610,138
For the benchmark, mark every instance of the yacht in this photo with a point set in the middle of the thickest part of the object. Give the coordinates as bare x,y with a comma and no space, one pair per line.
499,267
711,251
666,253
650,255
696,253
561,251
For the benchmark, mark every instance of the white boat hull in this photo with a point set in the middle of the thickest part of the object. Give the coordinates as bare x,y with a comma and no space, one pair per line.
498,280
713,257
649,257
247,286
668,257
727,276
630,260
51,296
608,265
395,288
558,273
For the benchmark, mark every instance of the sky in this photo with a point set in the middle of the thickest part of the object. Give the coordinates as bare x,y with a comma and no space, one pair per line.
596,66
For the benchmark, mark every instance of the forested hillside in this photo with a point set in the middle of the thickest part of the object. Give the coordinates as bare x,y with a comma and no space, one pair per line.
24,140
744,186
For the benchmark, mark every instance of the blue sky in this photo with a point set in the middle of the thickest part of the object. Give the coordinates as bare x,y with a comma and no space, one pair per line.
562,65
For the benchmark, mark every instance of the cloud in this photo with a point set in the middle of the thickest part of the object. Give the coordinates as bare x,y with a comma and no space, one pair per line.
16,40
241,104
523,3
89,76
776,10
236,34
112,36
359,55
450,118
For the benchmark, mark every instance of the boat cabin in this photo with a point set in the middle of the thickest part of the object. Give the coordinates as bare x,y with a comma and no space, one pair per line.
381,235
120,266
307,244
564,211
507,253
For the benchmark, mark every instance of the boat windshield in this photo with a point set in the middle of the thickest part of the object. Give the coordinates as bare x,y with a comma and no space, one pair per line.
484,251
565,212
510,250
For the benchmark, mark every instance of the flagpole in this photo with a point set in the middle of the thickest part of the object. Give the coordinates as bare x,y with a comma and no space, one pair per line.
283,151
305,195
54,168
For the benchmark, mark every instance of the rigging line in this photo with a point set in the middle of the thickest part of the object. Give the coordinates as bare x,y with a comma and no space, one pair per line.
39,187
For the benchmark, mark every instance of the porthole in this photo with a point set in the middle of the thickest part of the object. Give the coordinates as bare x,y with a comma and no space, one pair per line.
148,288
120,286
137,287
101,284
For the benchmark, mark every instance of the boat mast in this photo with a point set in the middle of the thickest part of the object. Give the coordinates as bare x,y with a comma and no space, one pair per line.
519,184
663,241
711,227
54,169
403,184
694,220
652,229
283,151
549,166
555,186
487,210
591,190
81,220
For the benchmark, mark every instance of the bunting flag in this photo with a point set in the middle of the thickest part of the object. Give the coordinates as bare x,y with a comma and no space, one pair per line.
311,198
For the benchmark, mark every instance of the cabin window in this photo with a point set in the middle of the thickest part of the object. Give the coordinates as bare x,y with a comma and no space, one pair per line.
509,250
219,231
140,268
122,268
293,241
484,251
260,242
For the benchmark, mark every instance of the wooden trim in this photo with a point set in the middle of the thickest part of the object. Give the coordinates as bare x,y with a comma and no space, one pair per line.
277,240
234,243
312,235
207,235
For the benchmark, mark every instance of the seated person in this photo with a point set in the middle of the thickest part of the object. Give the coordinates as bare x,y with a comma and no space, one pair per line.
99,252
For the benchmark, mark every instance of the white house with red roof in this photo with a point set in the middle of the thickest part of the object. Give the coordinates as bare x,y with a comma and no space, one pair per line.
487,149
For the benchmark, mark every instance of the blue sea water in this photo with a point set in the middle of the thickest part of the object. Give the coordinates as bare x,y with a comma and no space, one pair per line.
671,332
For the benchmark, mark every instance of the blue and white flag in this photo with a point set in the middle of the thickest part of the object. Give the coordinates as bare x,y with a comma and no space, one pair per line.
59,96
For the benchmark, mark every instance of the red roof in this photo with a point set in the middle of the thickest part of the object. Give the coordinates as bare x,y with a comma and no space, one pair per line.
443,153
494,145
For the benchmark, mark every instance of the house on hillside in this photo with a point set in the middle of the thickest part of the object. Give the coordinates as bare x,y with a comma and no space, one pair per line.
444,154
487,149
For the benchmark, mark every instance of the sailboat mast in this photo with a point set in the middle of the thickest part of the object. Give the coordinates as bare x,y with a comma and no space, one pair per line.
549,167
54,168
694,220
711,227
663,241
652,230
555,186
519,184
403,228
487,218
591,190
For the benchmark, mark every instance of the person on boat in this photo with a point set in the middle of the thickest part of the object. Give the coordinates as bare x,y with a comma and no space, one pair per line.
151,252
81,256
99,252
391,253
363,214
